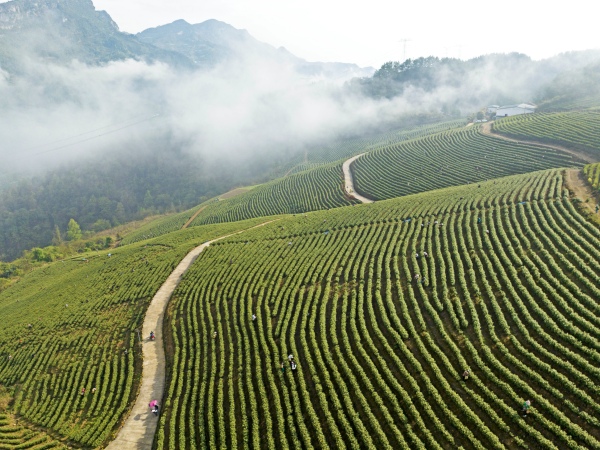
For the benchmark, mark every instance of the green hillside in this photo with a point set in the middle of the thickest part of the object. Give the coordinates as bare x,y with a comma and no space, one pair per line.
449,158
346,148
319,188
14,434
379,354
458,310
587,100
592,171
71,325
398,164
508,289
578,130
512,297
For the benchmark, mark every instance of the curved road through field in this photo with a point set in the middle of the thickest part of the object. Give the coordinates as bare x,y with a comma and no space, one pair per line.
138,430
486,128
349,183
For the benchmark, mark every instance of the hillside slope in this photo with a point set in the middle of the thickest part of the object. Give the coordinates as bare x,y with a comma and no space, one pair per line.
74,324
449,158
60,31
507,288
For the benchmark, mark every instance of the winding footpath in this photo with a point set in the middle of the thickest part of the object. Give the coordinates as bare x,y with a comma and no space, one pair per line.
349,183
137,433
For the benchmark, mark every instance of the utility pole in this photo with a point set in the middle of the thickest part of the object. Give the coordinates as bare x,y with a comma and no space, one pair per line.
404,41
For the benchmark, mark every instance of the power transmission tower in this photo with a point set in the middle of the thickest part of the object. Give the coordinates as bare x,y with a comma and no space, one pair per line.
404,41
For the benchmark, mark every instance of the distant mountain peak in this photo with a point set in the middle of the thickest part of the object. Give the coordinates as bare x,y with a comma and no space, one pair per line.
213,41
61,31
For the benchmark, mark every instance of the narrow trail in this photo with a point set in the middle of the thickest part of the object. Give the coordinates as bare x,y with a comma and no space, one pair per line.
187,224
137,433
349,183
577,185
486,128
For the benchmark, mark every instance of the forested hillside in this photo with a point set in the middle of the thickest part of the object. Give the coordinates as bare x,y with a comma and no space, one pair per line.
115,189
102,194
560,82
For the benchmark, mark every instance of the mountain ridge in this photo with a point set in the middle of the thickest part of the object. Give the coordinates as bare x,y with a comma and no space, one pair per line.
213,41
61,31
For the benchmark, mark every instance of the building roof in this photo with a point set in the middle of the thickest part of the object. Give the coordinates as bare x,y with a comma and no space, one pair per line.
520,105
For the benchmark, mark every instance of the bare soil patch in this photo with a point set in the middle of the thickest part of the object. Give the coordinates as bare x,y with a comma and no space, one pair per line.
581,190
187,224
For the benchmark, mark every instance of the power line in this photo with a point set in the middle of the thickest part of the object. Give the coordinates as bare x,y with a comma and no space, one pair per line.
97,136
128,124
136,122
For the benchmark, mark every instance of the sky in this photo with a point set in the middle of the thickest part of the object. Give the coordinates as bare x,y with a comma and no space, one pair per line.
369,33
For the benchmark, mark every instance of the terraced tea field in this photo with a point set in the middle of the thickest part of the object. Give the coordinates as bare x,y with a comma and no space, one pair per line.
592,171
449,159
429,161
507,287
579,130
320,188
71,326
348,147
383,307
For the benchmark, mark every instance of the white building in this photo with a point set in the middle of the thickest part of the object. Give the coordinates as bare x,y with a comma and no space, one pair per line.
513,110
492,109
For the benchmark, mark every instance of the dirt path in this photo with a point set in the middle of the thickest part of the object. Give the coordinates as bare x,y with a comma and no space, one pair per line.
187,224
349,184
486,128
577,185
139,428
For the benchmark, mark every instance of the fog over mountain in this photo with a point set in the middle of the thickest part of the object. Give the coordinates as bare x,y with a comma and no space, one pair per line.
66,70
73,85
213,42
184,111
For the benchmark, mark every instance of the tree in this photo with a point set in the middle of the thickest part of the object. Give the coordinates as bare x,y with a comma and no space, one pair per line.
148,200
73,231
56,237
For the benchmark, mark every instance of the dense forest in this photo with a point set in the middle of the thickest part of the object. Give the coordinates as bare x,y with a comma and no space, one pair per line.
496,78
102,193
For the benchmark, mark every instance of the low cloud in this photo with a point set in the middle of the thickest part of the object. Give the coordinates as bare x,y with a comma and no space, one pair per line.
54,114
